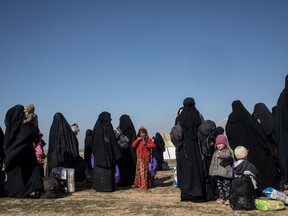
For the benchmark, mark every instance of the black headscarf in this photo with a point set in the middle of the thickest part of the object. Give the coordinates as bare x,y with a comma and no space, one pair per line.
104,145
23,173
64,148
190,118
266,118
237,125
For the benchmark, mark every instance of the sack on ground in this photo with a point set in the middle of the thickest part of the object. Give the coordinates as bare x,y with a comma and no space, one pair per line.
52,188
269,205
176,135
242,193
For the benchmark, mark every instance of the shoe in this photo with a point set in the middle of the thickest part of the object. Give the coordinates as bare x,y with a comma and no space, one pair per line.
220,201
227,202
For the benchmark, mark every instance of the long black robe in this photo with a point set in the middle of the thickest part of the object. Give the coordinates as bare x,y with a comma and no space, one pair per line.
127,163
190,170
2,154
281,131
63,150
87,154
158,151
106,152
23,173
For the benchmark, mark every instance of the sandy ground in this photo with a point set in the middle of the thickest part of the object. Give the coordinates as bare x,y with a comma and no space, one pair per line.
162,199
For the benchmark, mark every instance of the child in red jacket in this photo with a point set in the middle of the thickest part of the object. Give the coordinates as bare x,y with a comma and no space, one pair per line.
143,145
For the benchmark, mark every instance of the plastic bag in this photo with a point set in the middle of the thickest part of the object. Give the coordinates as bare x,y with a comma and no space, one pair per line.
152,166
275,194
269,205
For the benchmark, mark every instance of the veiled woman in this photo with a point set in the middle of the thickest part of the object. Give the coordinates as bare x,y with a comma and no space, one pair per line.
127,163
106,152
23,173
262,153
244,130
190,170
87,154
63,148
281,131
237,126
159,150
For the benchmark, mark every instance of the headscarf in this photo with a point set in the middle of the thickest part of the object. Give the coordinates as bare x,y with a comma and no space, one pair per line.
266,118
190,117
237,125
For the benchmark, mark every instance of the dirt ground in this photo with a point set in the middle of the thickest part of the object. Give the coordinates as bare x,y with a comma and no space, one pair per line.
162,199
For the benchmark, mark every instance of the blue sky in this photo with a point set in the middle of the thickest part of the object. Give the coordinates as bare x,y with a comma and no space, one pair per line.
141,58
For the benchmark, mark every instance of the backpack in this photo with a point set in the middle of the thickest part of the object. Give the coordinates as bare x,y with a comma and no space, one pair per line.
243,194
176,135
207,128
122,140
206,131
52,188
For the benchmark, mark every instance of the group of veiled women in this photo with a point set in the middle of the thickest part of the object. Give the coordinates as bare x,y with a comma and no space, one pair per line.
263,133
101,154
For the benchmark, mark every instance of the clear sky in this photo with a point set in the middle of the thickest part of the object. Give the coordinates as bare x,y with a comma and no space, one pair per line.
141,58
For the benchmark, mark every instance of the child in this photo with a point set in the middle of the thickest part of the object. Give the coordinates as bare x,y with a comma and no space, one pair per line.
243,187
242,166
143,145
221,168
39,151
30,116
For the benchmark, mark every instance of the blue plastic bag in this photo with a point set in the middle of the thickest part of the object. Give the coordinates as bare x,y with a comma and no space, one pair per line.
117,174
152,166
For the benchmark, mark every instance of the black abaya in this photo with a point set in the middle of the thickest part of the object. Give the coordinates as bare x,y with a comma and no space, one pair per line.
127,163
23,173
63,148
106,152
190,169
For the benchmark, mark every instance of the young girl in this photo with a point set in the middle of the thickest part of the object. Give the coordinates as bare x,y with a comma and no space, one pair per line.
143,145
221,167
40,154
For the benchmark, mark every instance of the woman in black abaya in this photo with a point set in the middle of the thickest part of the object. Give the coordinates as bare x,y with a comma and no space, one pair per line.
23,173
281,131
237,126
190,170
158,151
127,163
63,148
243,129
87,154
262,154
106,152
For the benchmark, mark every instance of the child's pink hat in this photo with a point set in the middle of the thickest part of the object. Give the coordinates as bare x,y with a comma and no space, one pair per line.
221,139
